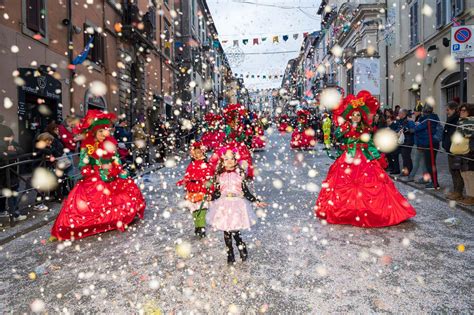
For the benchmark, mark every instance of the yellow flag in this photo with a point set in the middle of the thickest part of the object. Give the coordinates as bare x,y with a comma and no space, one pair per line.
275,39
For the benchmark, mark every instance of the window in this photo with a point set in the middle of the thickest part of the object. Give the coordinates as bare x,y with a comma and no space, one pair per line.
193,12
36,16
414,24
97,51
446,10
167,40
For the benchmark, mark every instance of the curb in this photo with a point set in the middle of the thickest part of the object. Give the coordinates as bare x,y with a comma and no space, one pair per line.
38,219
433,193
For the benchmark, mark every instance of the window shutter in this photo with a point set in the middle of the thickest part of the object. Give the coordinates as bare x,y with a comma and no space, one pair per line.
42,17
459,9
33,15
101,49
439,13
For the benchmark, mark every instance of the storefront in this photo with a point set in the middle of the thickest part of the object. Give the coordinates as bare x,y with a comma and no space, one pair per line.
39,103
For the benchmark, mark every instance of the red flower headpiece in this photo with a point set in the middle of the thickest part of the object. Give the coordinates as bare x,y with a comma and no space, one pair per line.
234,110
364,102
303,112
95,120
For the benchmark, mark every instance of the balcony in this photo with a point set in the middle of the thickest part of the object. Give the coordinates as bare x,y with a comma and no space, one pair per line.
139,29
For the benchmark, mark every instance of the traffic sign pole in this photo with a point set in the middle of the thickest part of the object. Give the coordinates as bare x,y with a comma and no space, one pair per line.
461,80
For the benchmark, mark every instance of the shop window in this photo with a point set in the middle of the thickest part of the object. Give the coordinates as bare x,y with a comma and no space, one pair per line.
414,25
97,51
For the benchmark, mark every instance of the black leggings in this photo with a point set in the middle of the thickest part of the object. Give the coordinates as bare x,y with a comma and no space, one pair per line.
228,240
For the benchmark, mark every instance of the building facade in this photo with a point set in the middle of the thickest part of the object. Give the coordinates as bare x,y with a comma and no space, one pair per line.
135,49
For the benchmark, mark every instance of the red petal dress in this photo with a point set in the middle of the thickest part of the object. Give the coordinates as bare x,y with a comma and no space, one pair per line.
357,190
102,200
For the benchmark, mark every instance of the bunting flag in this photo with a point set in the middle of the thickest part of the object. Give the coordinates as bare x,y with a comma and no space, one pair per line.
178,44
83,55
269,77
260,40
168,44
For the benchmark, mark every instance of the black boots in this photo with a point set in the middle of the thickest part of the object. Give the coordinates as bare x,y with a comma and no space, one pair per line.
200,232
240,245
230,249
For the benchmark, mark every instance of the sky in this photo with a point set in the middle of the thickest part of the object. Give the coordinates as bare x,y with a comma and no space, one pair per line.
249,19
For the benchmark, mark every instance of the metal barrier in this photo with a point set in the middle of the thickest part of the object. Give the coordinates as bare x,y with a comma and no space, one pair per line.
15,168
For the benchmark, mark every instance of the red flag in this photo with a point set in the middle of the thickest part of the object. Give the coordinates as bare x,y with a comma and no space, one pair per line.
255,41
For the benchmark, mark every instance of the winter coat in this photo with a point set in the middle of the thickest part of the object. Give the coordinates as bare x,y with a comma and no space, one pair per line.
8,157
449,130
67,138
408,127
466,128
422,138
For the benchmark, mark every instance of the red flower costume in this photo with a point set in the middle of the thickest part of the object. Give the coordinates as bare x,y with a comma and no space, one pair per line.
213,137
303,135
357,190
258,138
105,198
236,136
283,126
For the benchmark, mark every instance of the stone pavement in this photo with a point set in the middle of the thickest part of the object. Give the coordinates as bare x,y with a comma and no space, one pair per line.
296,264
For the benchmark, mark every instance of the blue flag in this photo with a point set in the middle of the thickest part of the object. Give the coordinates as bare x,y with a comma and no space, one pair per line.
83,55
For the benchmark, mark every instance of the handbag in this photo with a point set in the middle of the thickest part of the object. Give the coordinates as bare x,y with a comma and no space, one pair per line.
401,137
63,162
460,147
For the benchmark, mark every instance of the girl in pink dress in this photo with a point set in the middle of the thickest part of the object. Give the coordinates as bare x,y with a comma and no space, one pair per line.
231,209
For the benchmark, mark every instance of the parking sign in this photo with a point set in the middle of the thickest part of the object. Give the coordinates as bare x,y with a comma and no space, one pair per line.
462,41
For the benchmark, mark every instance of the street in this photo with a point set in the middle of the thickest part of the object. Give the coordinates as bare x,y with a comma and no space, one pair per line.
296,265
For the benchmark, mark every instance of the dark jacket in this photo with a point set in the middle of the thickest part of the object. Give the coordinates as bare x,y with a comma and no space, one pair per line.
8,157
408,127
449,130
422,138
466,128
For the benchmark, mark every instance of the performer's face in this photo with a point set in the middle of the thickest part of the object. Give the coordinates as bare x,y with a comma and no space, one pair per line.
229,160
356,117
197,154
101,134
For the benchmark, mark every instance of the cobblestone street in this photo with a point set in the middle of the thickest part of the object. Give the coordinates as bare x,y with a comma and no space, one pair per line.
296,265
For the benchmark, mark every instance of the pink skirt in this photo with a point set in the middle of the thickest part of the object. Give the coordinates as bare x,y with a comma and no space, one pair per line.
231,214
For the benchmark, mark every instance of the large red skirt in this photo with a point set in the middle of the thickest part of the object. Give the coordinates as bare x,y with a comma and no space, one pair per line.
303,140
95,206
361,194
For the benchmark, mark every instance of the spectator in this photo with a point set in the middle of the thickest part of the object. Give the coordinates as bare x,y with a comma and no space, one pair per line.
140,140
466,129
428,121
6,133
9,150
50,149
453,161
379,121
396,112
124,138
66,135
393,157
57,147
407,126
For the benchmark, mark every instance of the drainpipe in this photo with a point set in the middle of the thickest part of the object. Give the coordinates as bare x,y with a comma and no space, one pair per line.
70,54
386,63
